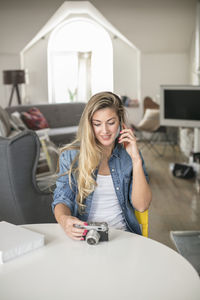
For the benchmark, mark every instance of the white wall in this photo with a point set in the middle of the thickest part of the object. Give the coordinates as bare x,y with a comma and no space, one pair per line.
126,64
35,62
163,68
126,61
7,62
193,63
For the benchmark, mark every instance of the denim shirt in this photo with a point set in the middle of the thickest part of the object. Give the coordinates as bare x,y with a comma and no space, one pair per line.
121,169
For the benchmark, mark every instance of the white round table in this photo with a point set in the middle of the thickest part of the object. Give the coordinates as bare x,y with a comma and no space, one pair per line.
127,267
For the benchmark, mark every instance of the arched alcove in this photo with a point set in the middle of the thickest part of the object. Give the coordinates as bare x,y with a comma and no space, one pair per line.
80,60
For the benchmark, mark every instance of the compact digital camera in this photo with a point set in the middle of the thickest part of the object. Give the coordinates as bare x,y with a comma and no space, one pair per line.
97,232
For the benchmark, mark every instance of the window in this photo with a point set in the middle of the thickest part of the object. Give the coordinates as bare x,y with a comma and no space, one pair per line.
80,61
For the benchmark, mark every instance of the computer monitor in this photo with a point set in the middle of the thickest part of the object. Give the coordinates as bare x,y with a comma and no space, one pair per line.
180,106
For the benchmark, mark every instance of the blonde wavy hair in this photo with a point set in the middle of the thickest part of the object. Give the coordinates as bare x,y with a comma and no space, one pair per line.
90,150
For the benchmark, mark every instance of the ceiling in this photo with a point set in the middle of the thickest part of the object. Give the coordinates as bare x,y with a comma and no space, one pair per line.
154,26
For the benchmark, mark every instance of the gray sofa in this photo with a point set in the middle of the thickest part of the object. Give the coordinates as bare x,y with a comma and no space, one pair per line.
63,119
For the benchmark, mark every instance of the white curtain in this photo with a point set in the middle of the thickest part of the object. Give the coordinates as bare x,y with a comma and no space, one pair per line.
84,76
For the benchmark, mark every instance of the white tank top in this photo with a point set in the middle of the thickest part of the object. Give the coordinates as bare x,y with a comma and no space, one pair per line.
105,206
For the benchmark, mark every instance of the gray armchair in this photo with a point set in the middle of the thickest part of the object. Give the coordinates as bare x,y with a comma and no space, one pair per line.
21,200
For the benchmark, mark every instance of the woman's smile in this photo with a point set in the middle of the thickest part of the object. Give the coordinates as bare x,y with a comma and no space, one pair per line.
106,137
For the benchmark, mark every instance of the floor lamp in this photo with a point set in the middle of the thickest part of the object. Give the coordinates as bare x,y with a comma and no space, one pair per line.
14,77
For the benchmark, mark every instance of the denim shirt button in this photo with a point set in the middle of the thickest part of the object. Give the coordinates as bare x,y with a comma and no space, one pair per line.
117,188
113,170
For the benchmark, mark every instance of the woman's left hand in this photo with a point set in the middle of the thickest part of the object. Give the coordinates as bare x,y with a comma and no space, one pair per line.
128,138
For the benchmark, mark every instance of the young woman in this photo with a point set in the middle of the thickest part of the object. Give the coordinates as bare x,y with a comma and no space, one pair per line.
102,175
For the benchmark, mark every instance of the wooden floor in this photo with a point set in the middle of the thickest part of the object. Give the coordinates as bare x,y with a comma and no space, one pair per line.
175,203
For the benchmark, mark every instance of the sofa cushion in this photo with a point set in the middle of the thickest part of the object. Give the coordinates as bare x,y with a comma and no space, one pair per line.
5,123
34,119
3,129
16,121
14,133
53,154
62,130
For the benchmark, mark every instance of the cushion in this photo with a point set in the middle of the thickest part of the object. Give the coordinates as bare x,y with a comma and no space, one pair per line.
3,129
150,121
62,130
14,133
16,121
4,117
34,119
53,154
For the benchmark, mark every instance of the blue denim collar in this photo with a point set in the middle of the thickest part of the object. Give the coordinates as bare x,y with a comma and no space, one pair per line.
117,149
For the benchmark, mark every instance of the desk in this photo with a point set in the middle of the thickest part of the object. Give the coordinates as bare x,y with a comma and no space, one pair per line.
127,267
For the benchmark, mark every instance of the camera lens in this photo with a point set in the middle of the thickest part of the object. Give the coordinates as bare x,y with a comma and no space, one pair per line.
92,237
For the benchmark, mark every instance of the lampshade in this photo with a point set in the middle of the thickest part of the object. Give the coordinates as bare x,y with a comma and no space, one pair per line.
13,77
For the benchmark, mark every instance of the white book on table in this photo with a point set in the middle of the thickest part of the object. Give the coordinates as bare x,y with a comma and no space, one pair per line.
16,241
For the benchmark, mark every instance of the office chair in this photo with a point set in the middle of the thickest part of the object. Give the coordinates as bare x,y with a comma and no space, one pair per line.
143,219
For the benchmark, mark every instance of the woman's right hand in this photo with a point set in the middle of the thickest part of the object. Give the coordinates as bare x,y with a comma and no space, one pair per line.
68,222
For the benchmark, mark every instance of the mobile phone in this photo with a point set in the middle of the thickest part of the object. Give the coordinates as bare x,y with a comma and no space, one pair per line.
124,127
118,131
